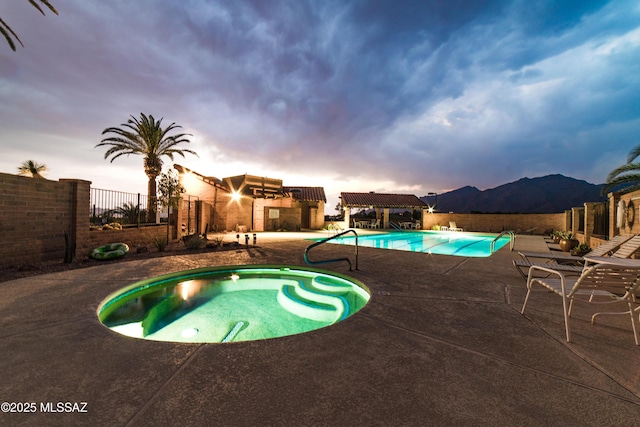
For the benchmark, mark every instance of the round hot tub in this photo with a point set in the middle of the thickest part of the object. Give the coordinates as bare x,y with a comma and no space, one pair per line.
232,303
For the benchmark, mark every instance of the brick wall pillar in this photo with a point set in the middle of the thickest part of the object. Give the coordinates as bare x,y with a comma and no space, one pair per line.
80,212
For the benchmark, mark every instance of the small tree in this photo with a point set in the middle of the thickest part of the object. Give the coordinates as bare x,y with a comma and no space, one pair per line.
147,137
32,169
169,193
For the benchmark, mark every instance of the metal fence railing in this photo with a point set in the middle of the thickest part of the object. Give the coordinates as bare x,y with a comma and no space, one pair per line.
126,209
580,224
601,219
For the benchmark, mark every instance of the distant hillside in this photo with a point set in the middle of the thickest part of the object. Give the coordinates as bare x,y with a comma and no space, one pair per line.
547,194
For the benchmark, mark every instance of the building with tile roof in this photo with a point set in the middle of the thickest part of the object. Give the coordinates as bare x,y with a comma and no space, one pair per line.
381,202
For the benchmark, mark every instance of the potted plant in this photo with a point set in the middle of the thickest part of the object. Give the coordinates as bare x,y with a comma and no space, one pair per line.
581,250
567,242
556,236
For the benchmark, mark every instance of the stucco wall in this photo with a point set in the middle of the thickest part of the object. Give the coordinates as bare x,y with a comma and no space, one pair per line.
496,223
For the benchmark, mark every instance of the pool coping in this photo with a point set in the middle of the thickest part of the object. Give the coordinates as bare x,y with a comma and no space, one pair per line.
441,342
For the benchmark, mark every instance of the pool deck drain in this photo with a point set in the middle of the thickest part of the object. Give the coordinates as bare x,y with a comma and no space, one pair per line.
436,345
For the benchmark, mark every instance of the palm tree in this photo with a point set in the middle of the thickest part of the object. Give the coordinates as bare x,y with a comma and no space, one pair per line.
130,213
7,32
625,178
145,136
32,169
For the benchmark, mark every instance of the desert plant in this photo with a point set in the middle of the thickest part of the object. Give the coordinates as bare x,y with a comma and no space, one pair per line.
32,169
582,247
170,191
566,235
194,242
218,240
130,212
145,136
160,243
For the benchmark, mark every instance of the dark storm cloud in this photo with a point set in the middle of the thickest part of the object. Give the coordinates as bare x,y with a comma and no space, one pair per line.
412,95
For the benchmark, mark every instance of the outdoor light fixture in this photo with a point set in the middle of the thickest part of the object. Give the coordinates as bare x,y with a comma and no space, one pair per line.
235,196
189,332
432,209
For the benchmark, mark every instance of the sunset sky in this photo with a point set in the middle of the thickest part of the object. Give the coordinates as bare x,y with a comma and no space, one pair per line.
386,96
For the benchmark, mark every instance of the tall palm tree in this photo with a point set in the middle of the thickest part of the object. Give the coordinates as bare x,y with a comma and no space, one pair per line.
625,178
8,33
32,169
145,136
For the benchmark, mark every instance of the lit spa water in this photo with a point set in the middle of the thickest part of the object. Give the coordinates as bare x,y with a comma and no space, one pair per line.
230,304
432,242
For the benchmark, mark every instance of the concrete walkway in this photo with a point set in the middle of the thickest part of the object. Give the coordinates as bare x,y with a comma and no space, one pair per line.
441,342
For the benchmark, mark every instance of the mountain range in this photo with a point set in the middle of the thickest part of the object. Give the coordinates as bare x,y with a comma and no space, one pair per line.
547,194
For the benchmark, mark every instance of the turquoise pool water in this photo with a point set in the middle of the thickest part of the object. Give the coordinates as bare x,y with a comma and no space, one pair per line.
432,242
232,303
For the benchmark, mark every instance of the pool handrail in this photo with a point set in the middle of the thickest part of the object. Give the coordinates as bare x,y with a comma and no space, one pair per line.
512,240
395,226
306,251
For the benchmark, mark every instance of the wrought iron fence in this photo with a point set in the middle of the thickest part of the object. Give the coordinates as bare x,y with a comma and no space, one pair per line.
126,209
580,224
601,219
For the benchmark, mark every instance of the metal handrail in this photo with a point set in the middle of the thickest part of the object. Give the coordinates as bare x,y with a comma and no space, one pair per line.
512,240
306,251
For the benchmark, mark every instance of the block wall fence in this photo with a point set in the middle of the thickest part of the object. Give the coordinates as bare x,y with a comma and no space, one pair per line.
35,214
496,223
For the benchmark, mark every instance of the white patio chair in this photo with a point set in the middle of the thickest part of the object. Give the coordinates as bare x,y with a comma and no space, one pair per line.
627,245
598,284
454,227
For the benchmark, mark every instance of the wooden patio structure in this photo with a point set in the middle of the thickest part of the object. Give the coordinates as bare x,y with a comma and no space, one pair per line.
380,202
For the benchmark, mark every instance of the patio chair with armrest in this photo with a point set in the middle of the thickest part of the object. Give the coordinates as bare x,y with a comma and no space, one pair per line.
626,246
598,284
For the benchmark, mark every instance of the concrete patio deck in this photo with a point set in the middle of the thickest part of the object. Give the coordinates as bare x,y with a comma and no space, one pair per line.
441,342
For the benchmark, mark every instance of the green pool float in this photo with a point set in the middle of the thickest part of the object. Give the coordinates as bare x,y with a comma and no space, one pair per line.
110,251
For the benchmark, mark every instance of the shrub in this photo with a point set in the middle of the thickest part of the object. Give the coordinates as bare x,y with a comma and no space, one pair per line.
194,242
218,240
160,243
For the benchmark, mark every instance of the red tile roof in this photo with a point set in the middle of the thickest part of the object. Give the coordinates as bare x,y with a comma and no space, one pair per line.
307,194
381,200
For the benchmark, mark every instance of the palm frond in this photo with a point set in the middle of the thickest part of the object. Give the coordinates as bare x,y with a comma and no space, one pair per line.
633,154
621,183
46,3
7,32
32,169
627,167
146,136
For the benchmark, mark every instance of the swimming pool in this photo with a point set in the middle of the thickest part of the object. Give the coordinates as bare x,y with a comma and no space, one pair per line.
232,303
432,242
